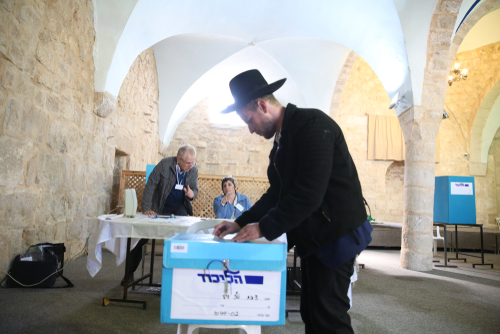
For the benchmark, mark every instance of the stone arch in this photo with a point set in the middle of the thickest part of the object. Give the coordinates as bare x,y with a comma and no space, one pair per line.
478,161
420,125
394,181
467,25
479,144
341,82
388,59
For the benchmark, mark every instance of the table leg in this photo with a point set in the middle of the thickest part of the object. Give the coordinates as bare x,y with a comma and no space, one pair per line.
106,301
127,271
152,261
482,252
445,252
456,247
445,246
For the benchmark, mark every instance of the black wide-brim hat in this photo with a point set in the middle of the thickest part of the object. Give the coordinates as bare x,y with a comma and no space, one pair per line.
249,85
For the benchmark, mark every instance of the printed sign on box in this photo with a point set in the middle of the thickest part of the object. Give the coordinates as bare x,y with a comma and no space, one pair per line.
461,188
225,295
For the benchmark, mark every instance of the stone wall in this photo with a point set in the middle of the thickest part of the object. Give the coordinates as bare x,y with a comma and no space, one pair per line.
363,95
133,126
394,191
135,120
50,184
56,155
463,100
221,149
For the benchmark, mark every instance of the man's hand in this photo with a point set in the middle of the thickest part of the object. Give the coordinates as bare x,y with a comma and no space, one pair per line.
225,198
188,192
225,228
150,213
249,232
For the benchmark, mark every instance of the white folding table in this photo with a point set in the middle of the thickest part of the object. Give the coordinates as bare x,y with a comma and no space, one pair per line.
119,235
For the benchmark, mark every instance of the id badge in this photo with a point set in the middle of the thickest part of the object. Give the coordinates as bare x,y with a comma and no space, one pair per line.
179,187
239,207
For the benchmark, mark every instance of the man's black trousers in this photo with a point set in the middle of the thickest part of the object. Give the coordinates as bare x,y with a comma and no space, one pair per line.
323,299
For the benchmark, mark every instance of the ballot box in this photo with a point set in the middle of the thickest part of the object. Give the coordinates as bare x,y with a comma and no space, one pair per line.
454,200
211,281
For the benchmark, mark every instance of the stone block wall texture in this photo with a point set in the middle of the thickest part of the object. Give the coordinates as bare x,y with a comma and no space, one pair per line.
135,121
52,183
221,149
364,95
463,100
420,125
133,126
56,154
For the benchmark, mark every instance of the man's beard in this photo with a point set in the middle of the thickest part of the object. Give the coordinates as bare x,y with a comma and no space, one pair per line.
268,129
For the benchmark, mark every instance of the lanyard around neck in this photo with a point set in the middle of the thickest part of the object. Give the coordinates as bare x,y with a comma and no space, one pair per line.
177,172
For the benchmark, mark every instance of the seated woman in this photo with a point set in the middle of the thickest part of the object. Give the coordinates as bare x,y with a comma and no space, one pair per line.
230,205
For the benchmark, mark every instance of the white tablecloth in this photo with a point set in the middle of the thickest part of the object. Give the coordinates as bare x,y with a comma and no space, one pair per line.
112,232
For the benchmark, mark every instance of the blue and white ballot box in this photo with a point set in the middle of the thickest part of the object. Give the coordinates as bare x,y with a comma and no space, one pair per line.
454,200
216,281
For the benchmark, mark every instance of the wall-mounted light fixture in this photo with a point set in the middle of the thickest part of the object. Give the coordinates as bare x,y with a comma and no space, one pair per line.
445,114
457,74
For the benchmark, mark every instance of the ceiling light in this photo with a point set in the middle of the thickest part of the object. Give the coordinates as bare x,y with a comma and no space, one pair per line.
457,74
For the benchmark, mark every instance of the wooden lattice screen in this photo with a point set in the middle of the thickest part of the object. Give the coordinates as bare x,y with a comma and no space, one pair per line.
132,180
209,187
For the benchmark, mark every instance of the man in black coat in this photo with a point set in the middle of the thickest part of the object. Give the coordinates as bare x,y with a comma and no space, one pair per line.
314,196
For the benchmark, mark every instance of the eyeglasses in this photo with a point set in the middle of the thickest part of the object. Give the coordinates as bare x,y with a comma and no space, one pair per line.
189,164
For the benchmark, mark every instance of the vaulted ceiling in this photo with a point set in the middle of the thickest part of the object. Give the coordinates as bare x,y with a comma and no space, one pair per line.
200,45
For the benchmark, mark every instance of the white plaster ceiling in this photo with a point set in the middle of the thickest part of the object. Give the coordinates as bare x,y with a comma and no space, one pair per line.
485,31
110,18
277,29
198,42
370,28
415,18
269,57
